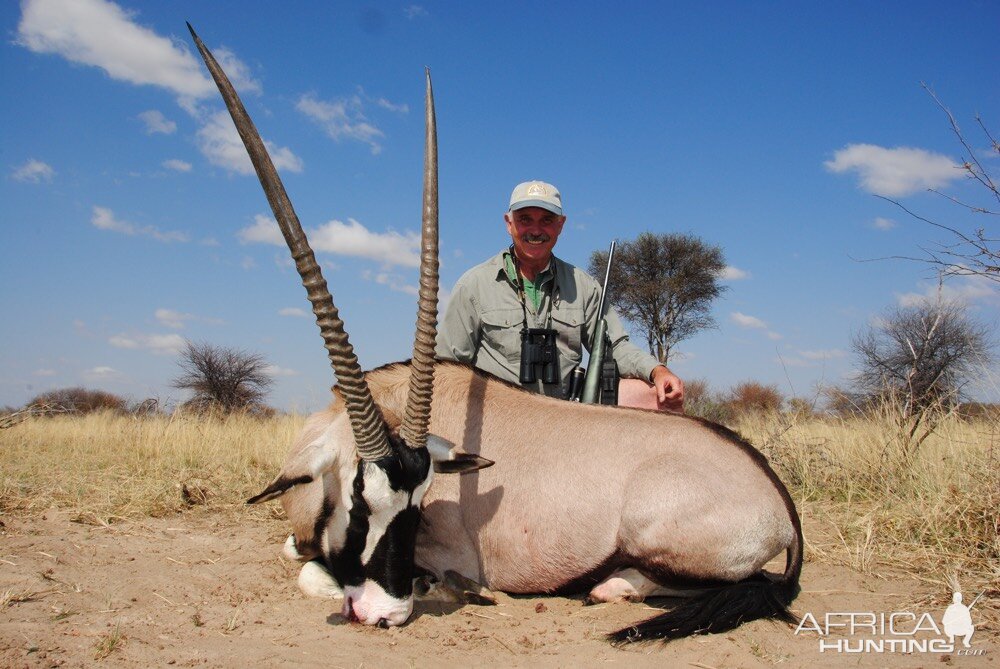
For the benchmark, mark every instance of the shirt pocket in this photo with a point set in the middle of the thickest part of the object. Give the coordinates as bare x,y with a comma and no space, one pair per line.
501,332
569,323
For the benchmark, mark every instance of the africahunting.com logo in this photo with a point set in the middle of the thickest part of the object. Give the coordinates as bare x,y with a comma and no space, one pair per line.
895,632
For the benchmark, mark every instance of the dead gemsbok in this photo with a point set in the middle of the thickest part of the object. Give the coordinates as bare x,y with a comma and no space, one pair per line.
622,503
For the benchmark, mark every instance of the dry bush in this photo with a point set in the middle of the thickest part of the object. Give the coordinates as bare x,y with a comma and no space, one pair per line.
844,403
79,400
700,401
979,411
105,466
801,408
753,397
223,380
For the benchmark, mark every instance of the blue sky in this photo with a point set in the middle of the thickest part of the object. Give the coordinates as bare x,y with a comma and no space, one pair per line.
132,221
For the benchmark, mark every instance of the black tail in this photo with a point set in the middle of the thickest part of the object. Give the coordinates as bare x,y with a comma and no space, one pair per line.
725,608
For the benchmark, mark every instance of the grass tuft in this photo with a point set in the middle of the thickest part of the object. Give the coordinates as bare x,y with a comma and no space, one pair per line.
109,642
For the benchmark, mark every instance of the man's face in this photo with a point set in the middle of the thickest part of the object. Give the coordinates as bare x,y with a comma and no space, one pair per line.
534,231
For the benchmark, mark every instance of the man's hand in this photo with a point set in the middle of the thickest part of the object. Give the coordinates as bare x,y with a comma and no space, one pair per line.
669,389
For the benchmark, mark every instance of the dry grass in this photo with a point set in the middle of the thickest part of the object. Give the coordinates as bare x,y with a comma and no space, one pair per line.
105,467
933,514
109,642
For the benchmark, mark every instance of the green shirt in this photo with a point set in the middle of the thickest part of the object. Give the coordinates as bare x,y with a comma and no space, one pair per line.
482,323
532,289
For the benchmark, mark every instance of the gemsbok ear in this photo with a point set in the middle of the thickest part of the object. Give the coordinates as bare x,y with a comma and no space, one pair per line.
279,487
449,460
462,463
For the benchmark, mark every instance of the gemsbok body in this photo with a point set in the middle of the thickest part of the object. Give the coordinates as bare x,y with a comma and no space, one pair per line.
620,503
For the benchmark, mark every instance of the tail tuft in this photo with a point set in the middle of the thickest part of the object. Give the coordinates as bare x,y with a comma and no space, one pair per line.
716,611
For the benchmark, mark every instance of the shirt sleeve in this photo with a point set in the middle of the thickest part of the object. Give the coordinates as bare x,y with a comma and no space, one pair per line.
632,361
458,331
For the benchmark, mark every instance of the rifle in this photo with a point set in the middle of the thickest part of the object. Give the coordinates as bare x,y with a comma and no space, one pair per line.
601,381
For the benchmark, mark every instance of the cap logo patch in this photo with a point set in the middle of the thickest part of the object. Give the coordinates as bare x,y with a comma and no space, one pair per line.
536,189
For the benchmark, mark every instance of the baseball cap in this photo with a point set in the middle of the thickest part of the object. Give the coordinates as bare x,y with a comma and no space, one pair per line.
536,194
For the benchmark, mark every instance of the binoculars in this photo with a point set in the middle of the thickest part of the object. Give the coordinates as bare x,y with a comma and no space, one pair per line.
538,349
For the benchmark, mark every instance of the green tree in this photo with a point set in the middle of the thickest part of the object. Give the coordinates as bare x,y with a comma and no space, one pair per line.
663,285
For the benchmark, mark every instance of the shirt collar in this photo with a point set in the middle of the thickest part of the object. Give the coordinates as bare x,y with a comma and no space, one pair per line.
507,269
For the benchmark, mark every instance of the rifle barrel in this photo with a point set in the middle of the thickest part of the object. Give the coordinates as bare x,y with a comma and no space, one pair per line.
607,277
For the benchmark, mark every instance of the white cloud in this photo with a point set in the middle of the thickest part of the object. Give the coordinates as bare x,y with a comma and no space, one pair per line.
248,263
104,219
102,34
275,370
793,362
399,109
349,239
237,71
221,144
774,336
745,321
265,230
353,239
172,319
342,119
894,172
177,165
392,281
730,273
884,223
45,372
123,341
413,11
156,122
101,372
828,354
176,320
169,344
34,171
293,311
964,289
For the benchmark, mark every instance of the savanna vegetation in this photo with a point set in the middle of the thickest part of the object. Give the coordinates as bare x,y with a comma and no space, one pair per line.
868,502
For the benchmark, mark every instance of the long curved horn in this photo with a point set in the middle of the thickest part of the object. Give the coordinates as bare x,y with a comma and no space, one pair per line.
418,401
369,429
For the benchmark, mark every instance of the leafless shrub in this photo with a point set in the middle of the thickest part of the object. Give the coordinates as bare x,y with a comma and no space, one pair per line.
147,407
700,401
972,248
78,400
980,411
17,416
916,361
844,402
223,380
755,397
801,408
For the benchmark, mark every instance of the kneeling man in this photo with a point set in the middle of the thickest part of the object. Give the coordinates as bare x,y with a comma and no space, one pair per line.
527,287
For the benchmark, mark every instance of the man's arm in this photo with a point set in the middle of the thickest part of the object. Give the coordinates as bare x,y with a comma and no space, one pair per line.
458,331
636,363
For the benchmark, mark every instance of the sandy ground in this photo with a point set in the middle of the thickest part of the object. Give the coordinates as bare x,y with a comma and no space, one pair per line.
202,590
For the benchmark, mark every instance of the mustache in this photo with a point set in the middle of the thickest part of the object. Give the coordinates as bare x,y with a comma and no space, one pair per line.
542,237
